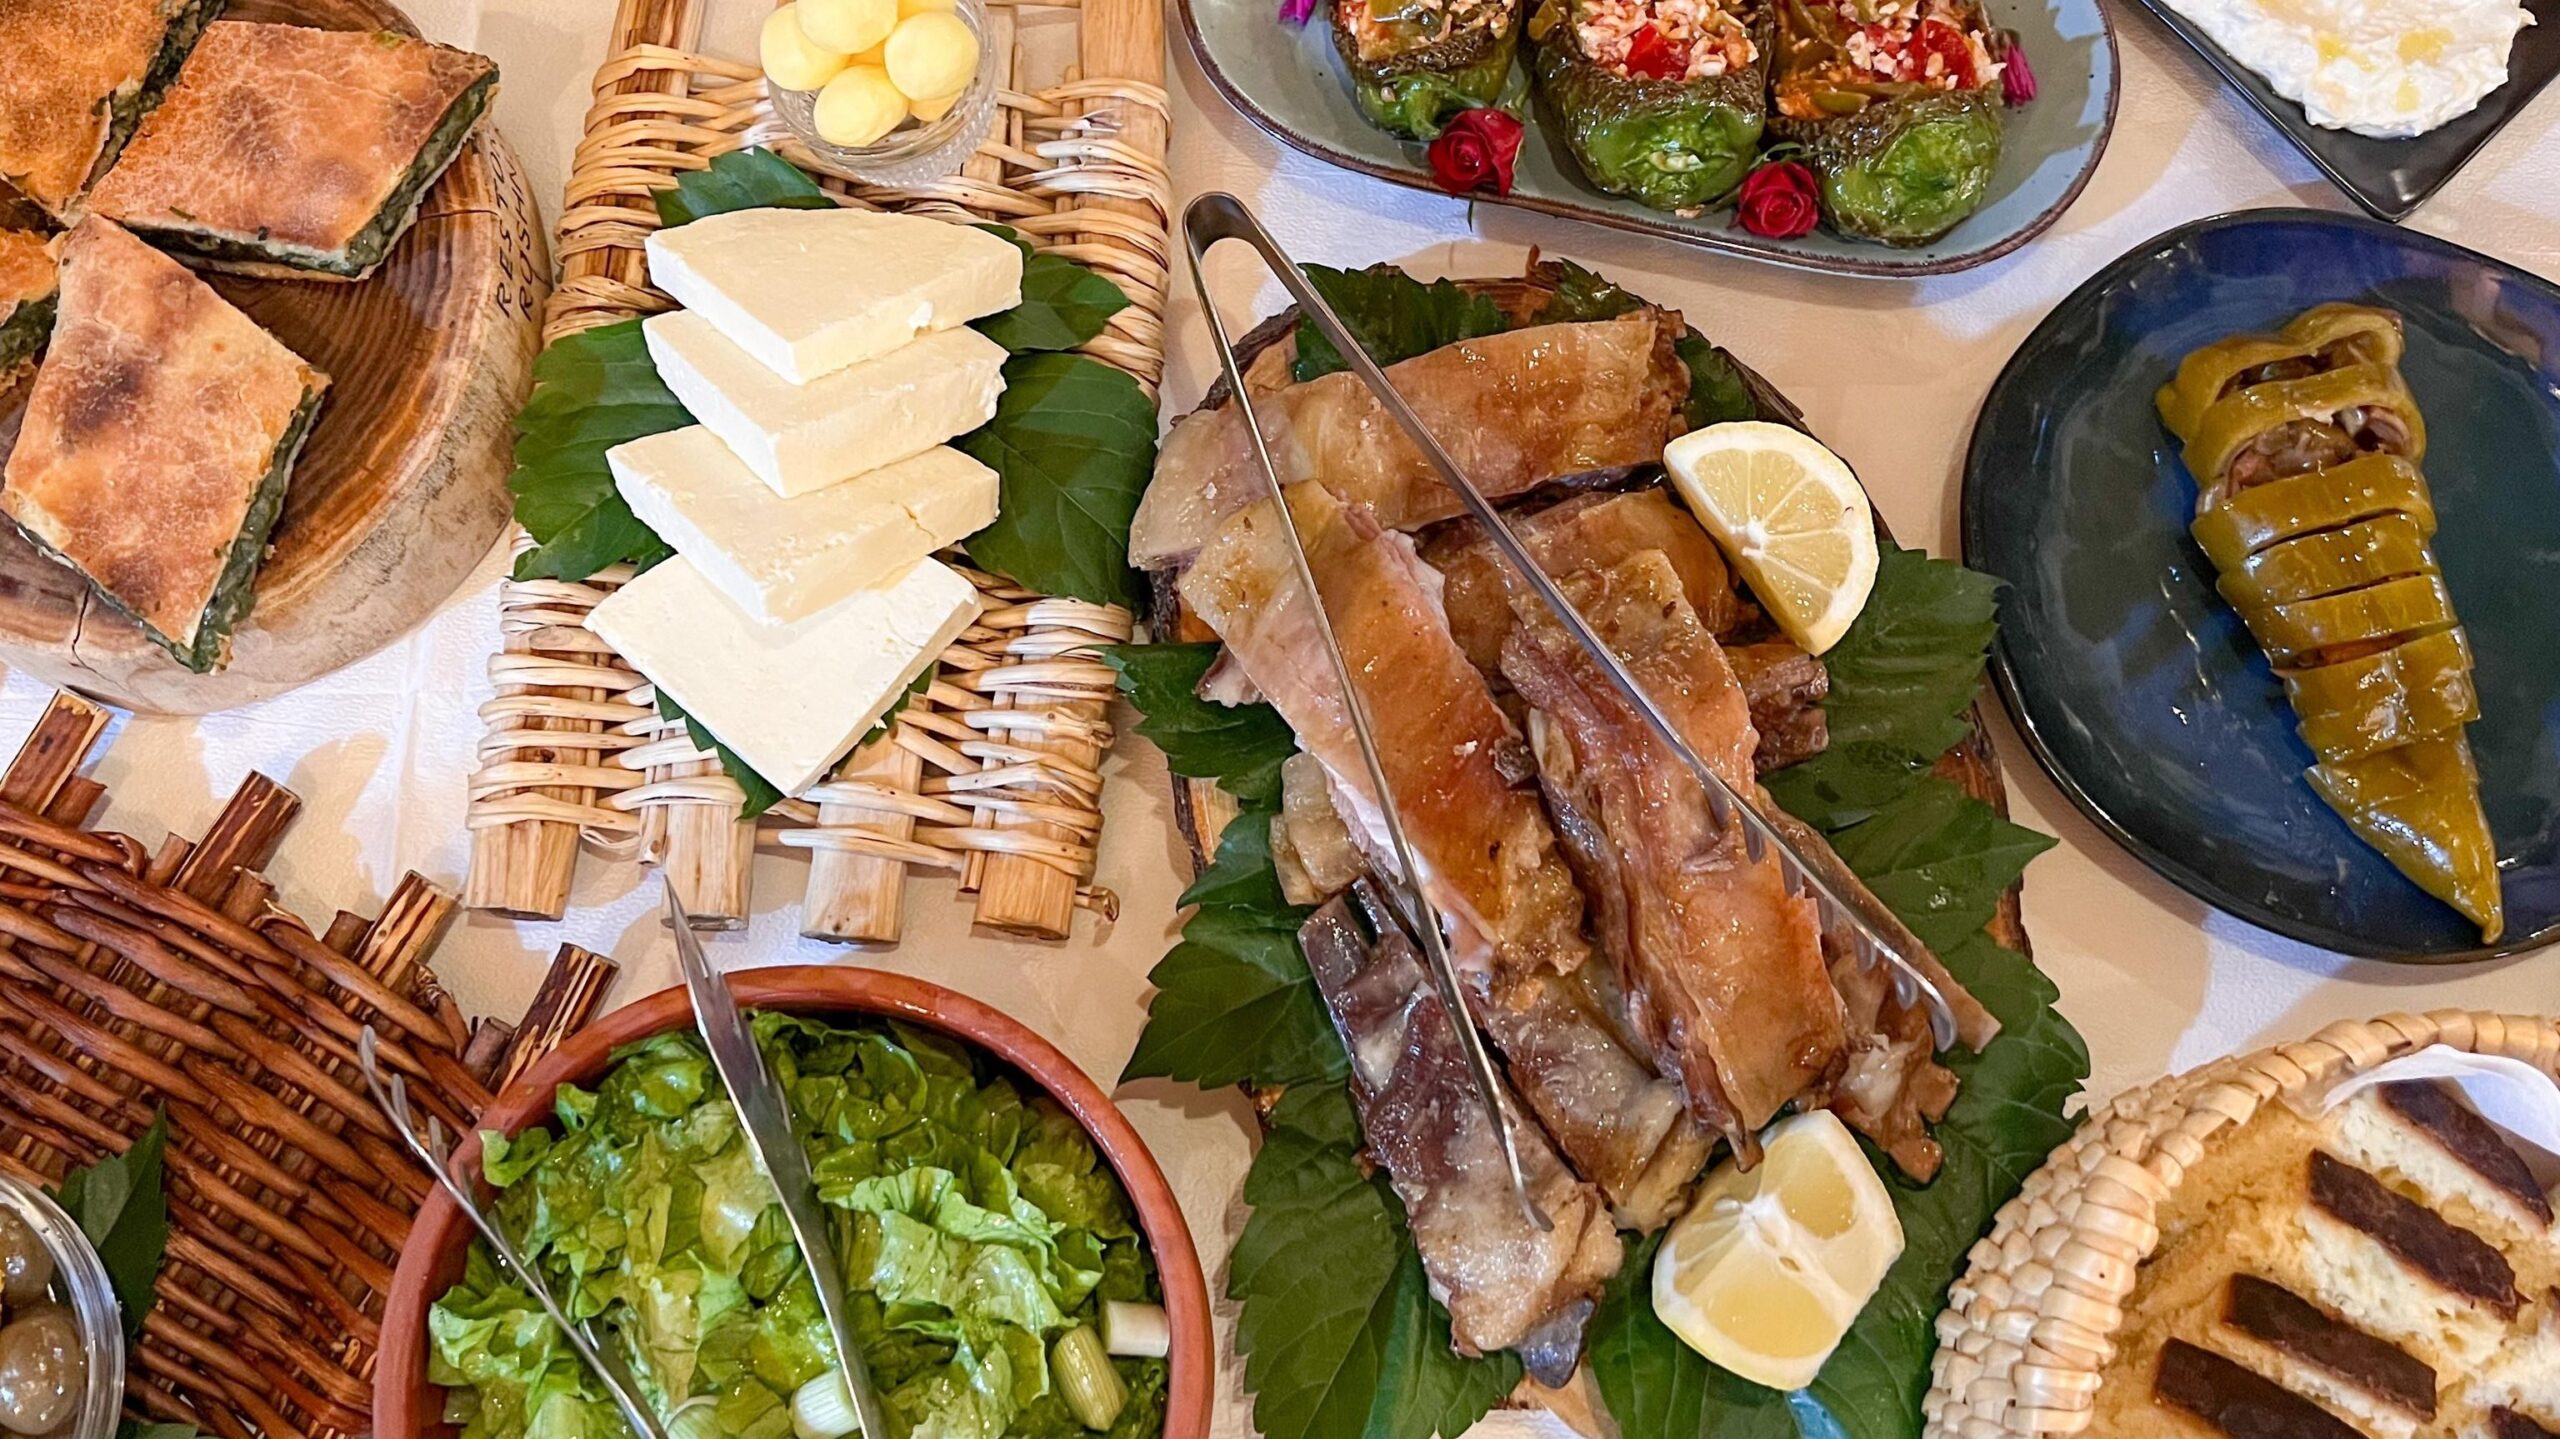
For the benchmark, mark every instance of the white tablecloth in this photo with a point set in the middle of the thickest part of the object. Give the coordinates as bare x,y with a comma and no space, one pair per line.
1890,373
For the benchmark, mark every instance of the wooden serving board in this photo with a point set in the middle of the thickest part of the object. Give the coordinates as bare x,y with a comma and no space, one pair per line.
1202,810
401,488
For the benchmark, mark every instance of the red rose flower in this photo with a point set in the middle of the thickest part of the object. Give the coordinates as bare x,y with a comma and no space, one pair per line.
1296,12
1476,151
1779,201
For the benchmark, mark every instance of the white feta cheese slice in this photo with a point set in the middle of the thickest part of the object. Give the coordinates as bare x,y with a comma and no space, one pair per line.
782,560
790,700
808,292
799,438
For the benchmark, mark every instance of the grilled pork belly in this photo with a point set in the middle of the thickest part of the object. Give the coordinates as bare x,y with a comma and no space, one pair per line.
1516,410
1488,854
1784,686
1506,1283
1723,968
1311,847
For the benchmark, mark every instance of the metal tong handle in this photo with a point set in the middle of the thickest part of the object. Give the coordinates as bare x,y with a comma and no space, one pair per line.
1209,219
391,1095
1215,217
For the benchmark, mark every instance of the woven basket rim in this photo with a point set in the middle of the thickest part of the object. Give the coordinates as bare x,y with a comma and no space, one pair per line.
2029,1326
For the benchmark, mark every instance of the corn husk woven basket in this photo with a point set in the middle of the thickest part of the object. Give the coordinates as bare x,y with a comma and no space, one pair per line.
2031,1324
993,774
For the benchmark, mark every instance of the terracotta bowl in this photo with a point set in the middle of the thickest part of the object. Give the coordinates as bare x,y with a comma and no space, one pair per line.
406,1406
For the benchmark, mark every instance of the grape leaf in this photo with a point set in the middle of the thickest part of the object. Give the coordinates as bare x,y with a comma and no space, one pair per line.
750,179
1393,315
591,391
1339,1334
122,1206
1073,442
1240,746
1939,858
1063,303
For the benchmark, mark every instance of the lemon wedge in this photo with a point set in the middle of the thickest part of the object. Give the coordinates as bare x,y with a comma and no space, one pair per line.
1766,1271
1790,516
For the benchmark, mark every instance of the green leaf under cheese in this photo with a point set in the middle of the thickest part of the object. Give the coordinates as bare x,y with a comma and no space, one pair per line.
1241,747
1063,303
592,390
751,179
1074,442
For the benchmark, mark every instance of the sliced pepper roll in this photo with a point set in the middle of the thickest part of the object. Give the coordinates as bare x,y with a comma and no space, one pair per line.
2294,633
1666,113
2418,690
1897,103
1416,63
2297,426
2386,547
2420,805
2323,337
2279,510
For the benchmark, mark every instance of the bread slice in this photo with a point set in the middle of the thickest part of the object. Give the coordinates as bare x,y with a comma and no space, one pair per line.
157,441
284,150
76,76
27,285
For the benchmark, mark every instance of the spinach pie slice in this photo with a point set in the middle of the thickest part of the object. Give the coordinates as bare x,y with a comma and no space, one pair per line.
26,297
76,76
294,152
157,441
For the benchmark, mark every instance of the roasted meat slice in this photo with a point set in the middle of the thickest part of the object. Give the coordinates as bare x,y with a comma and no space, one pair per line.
1489,857
1784,687
1723,967
1516,410
1583,533
1507,1284
1311,846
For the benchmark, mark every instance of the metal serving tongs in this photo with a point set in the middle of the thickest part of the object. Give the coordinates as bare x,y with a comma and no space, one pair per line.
1209,219
766,1122
433,1149
1215,217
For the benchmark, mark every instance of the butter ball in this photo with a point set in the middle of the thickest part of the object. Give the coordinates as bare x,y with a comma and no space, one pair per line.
791,59
848,26
858,107
932,55
928,111
922,7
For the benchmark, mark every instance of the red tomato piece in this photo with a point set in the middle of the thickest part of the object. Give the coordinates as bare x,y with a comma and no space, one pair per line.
1656,56
1941,39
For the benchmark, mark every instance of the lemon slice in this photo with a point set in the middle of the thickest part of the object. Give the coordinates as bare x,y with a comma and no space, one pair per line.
1791,517
1767,1269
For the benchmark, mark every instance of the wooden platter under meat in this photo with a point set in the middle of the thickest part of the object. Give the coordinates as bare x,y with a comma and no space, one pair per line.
401,489
1203,810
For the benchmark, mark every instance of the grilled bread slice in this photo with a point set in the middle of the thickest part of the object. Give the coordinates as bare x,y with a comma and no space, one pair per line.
294,152
27,286
157,441
75,78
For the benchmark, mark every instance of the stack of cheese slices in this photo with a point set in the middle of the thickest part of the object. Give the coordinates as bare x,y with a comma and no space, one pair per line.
828,357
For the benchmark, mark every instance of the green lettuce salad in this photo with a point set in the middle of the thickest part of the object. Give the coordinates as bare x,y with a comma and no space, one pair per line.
986,1244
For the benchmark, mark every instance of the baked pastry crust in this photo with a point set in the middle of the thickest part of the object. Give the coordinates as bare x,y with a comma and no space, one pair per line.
154,435
64,67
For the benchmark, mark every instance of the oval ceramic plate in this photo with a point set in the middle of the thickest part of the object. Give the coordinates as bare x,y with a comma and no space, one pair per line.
2138,689
1288,80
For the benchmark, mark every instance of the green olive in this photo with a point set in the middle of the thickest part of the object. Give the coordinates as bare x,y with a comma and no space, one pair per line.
26,1267
42,1370
1839,102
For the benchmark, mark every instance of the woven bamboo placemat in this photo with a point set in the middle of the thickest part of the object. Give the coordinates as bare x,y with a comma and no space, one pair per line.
136,978
2029,1327
992,775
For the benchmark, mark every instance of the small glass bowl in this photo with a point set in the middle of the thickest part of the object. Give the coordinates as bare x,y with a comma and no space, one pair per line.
80,1281
912,154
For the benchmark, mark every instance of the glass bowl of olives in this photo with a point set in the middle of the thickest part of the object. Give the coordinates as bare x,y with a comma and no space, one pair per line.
61,1336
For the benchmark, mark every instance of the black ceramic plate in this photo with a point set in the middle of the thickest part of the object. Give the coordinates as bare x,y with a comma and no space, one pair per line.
2138,689
2391,178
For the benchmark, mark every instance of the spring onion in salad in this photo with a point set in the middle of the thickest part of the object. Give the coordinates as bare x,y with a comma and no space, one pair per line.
823,1408
1093,1389
1135,1331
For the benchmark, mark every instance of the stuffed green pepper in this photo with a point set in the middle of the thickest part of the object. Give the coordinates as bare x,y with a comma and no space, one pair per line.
1416,63
1661,101
1898,106
2305,445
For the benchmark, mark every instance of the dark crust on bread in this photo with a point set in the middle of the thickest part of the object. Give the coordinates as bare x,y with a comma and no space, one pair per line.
284,145
2238,1402
2505,1423
2457,1259
153,437
2430,1106
2283,1320
74,77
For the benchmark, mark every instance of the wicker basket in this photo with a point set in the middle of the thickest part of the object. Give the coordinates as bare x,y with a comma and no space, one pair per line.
2030,1326
135,978
994,774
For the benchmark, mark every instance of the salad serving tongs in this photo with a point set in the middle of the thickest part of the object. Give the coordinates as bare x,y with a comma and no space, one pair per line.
433,1149
1215,217
766,1122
